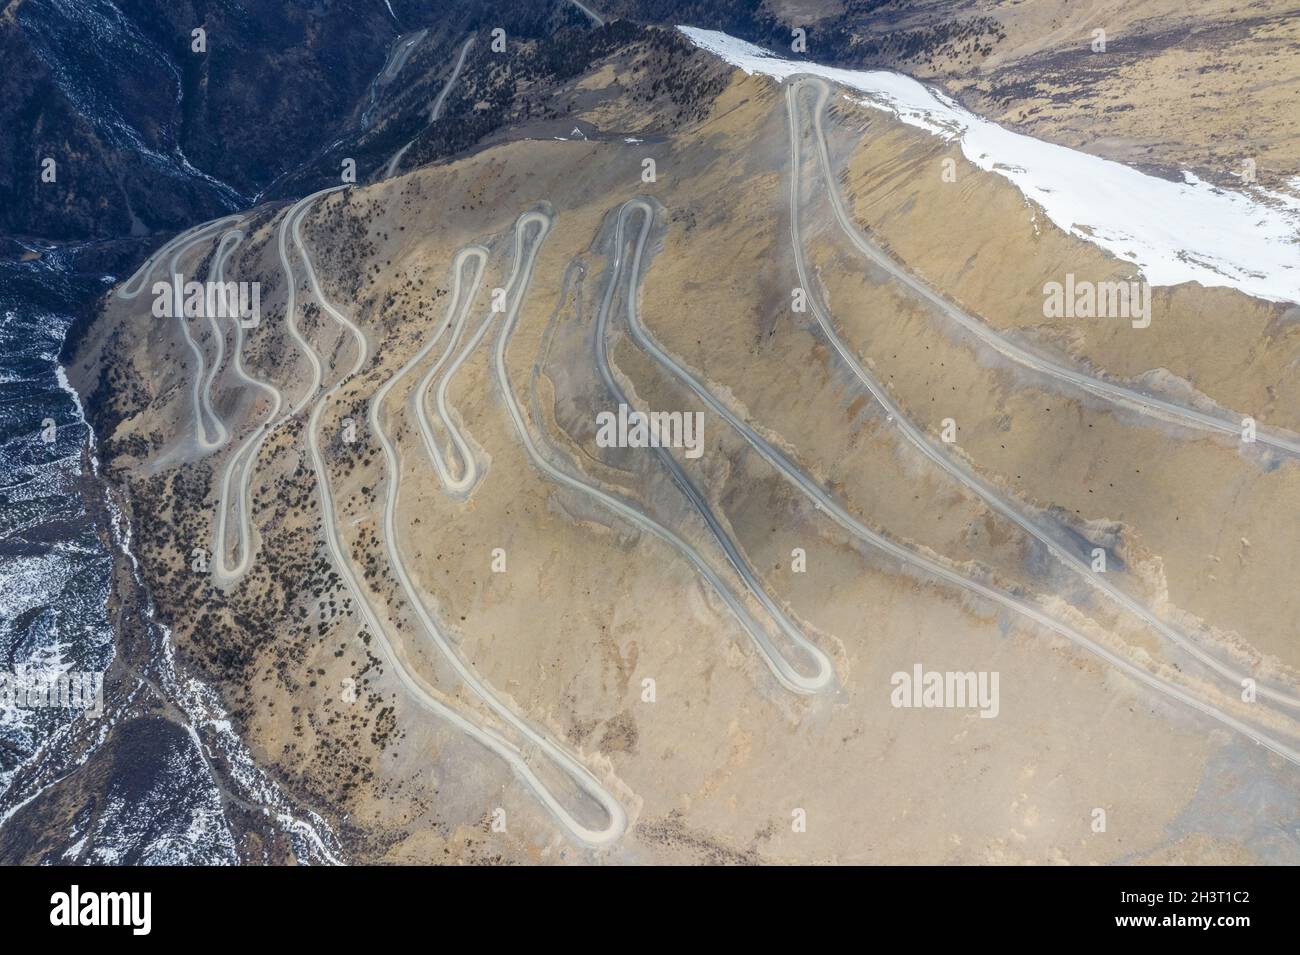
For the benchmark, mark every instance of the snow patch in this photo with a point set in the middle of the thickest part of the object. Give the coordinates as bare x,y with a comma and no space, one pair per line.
1175,232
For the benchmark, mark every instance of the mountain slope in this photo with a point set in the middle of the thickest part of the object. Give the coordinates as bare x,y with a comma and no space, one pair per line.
458,592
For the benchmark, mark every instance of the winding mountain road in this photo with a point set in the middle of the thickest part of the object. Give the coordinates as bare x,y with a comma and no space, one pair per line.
825,672
785,674
223,572
1109,391
933,451
459,487
436,112
495,725
133,286
209,431
239,466
579,774
828,505
582,777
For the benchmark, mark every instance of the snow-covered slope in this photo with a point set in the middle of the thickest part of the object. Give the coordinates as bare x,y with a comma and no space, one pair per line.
1174,232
